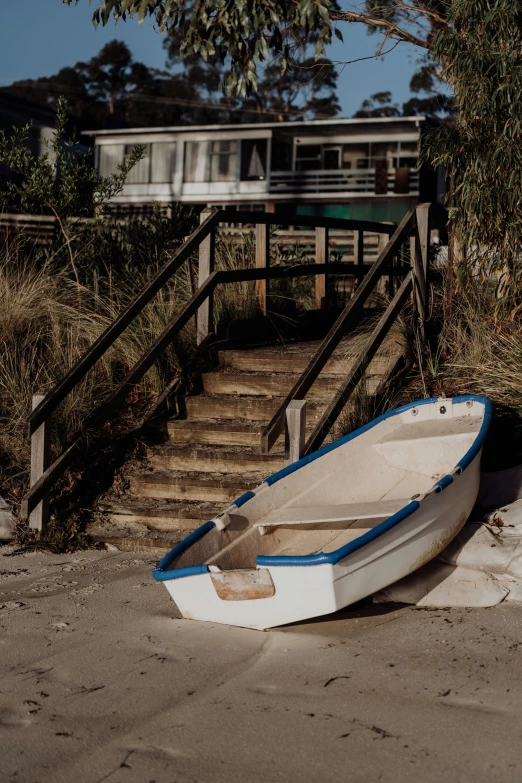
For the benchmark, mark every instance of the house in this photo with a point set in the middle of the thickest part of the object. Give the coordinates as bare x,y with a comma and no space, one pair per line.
15,112
352,168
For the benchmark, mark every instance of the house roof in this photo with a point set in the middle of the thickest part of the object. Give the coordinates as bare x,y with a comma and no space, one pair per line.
11,102
335,122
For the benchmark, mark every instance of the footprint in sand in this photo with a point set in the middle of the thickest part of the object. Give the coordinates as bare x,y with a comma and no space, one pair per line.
87,590
12,574
60,626
46,588
10,605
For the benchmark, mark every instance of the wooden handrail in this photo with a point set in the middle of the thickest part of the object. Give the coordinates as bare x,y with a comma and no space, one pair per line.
352,310
287,218
362,361
111,334
39,490
304,270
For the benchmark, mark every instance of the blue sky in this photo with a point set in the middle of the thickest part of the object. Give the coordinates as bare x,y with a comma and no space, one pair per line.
38,37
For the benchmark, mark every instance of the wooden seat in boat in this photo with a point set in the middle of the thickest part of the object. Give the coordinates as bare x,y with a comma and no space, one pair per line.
295,515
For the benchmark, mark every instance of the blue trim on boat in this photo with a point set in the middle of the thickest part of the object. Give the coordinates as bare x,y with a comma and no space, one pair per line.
242,499
444,482
344,551
179,573
333,557
472,452
162,572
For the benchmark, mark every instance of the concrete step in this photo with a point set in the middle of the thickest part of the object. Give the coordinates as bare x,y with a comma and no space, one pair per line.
223,432
209,406
192,486
160,515
214,459
275,384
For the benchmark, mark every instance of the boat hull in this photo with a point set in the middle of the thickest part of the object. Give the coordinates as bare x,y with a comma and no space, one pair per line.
306,591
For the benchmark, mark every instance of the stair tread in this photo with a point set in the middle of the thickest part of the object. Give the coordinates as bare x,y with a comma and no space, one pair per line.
237,425
194,478
158,506
208,449
349,346
233,371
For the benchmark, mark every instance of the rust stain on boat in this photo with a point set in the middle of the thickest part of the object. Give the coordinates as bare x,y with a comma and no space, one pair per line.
243,584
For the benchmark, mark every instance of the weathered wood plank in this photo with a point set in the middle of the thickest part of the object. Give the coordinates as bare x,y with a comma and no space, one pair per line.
40,452
262,262
204,319
419,251
358,253
321,257
304,270
291,218
295,431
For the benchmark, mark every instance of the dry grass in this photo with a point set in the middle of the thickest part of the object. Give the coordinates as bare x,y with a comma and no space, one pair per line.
471,351
238,300
47,321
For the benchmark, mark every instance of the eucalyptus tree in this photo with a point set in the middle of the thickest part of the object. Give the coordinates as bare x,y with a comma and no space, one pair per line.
246,33
475,46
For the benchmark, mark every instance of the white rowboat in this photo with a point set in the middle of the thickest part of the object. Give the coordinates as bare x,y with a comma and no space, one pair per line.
339,524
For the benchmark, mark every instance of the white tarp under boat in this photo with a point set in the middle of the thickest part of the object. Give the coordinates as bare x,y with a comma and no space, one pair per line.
339,524
483,564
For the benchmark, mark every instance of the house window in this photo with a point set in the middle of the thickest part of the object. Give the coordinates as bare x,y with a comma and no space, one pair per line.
223,161
331,158
140,173
162,161
356,156
110,156
196,161
307,157
253,159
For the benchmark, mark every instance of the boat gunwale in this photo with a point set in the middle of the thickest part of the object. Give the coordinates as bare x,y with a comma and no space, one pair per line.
162,572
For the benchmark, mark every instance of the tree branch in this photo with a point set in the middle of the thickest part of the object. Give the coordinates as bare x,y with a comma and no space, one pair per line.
424,11
393,30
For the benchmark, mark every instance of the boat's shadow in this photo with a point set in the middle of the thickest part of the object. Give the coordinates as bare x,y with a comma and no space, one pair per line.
361,615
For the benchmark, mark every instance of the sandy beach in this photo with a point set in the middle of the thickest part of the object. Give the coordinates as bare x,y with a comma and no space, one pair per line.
102,682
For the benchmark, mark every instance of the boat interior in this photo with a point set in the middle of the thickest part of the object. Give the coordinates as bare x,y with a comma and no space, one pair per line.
335,499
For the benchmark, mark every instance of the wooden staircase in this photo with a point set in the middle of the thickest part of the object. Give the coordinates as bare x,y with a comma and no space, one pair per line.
227,438
211,453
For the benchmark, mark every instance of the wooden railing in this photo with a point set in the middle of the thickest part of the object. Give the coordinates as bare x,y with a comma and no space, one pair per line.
44,476
415,229
360,181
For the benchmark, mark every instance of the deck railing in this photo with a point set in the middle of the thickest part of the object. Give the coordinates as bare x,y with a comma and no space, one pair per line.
402,181
45,476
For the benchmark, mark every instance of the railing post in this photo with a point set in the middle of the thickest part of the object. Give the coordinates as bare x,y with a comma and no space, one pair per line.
321,257
40,450
262,262
295,431
419,248
358,253
204,318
